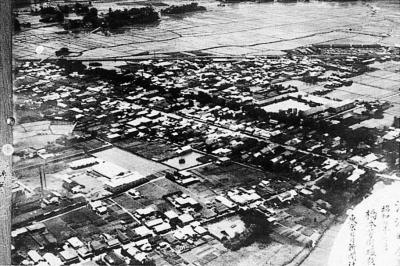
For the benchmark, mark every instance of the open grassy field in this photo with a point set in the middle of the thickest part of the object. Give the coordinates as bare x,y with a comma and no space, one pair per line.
128,202
274,254
38,134
205,254
153,192
156,150
229,175
308,217
202,191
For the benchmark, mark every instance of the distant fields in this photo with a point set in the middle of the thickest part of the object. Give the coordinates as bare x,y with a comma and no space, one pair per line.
224,30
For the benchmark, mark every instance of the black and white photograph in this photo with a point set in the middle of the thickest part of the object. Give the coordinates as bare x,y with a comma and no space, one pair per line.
200,132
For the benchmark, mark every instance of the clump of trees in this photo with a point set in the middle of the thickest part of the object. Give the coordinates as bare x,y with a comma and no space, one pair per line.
63,52
192,7
77,8
340,195
258,229
91,17
119,18
71,66
17,25
51,14
81,9
113,19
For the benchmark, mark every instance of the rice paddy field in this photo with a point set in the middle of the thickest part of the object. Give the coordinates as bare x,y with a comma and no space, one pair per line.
381,84
39,134
232,29
241,29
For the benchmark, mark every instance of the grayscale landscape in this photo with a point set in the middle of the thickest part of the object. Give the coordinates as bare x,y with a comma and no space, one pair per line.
206,133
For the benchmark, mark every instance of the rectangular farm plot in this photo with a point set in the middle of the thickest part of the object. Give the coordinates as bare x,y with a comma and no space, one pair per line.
384,74
378,82
365,90
229,175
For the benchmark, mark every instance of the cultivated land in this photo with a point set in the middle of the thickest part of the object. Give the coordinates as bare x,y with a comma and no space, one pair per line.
381,84
39,134
274,178
226,30
273,254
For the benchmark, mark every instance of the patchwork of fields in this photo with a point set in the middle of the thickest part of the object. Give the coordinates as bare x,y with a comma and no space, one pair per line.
224,30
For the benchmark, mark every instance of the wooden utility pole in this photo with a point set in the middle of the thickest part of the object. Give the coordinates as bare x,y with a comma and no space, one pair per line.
6,123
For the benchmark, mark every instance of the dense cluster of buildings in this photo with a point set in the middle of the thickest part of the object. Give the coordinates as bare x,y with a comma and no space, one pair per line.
266,143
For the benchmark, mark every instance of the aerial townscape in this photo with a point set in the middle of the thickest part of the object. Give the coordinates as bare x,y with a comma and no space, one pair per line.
209,133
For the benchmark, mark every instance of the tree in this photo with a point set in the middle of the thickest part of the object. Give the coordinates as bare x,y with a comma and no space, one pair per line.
379,113
17,25
92,17
308,203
